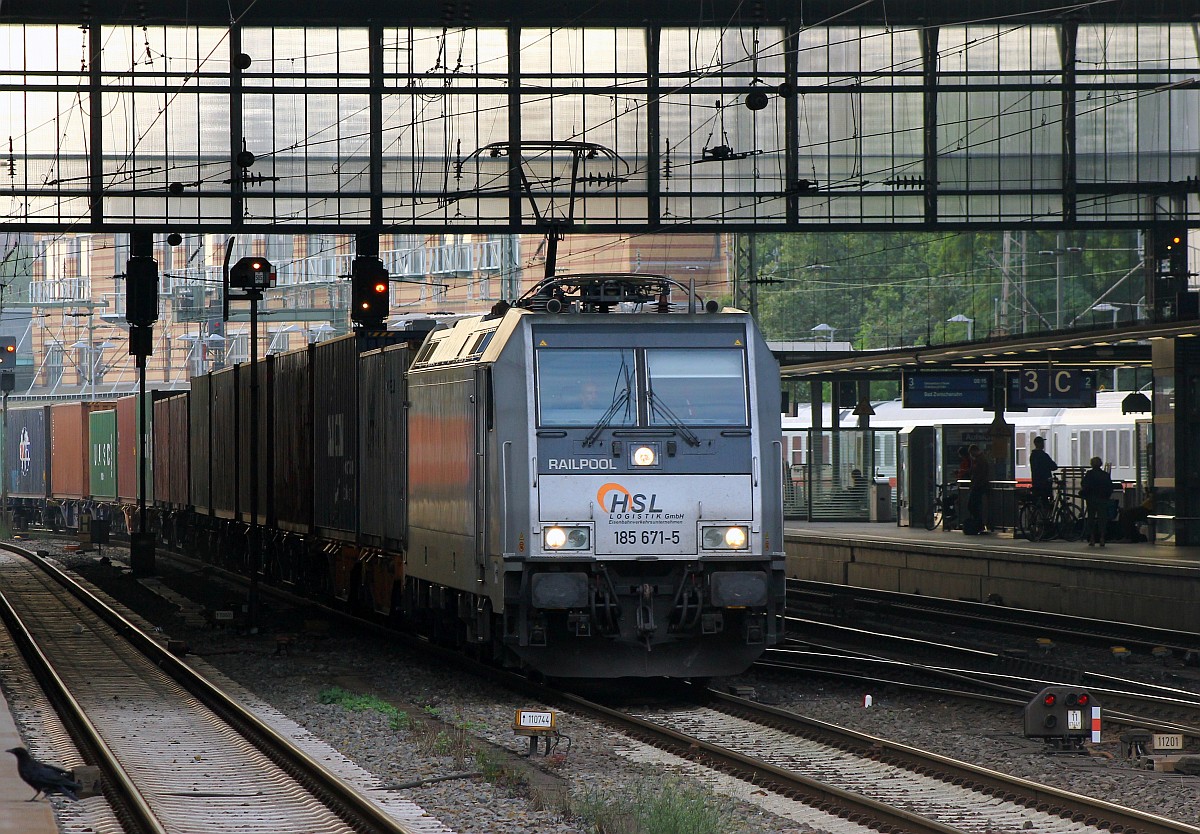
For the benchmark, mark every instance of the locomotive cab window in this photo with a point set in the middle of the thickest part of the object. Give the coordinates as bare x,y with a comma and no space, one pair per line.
584,387
697,387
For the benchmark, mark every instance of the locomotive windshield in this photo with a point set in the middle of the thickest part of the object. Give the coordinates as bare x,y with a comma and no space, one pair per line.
598,388
583,387
699,387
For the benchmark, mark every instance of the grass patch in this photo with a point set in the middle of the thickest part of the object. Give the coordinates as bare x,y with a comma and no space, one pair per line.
397,719
655,807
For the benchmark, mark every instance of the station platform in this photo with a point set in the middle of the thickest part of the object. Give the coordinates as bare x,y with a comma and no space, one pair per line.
1143,583
16,815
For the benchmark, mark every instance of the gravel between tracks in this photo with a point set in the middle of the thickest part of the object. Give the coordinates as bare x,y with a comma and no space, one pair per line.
442,706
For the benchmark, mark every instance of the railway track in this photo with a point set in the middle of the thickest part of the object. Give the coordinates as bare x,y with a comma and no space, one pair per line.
844,601
176,754
876,783
844,782
880,656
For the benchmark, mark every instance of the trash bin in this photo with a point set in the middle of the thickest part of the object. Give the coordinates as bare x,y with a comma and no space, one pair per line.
881,501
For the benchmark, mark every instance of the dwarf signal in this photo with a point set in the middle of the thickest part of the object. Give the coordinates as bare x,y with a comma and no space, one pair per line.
1064,717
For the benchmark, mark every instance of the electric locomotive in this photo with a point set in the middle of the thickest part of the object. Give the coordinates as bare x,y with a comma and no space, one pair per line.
595,484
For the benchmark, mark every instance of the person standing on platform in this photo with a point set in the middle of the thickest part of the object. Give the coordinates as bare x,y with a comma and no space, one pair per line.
1097,488
981,484
964,464
1041,468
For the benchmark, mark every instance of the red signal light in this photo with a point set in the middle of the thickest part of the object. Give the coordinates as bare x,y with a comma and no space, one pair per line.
1050,700
380,287
10,348
1083,700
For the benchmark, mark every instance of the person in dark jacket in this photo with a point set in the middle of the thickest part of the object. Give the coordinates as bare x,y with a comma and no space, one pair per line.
1095,491
964,464
981,484
1041,469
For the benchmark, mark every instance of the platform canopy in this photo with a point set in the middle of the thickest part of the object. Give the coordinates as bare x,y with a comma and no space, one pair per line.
611,116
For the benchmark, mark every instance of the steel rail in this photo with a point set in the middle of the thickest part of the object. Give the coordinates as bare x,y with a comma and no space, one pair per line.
819,665
1002,617
130,807
1010,787
355,809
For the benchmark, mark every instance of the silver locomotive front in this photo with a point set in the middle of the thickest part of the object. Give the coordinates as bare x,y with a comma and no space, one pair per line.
655,543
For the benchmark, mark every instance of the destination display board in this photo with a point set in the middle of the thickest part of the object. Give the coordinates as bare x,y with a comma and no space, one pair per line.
948,389
1050,388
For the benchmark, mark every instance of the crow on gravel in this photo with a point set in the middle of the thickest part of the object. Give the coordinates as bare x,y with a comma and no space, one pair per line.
42,777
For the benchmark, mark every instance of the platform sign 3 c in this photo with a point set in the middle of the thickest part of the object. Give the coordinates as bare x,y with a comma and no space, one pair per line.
1051,388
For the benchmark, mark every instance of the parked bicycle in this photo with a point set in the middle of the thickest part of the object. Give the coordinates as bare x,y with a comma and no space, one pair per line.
1039,518
944,511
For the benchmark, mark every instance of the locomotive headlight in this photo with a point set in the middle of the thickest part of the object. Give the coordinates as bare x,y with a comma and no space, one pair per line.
725,538
567,538
735,538
644,456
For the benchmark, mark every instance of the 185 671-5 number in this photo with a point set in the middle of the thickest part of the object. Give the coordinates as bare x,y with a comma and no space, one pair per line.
647,536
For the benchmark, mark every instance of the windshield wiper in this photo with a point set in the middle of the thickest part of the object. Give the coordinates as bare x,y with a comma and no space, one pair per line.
667,414
618,402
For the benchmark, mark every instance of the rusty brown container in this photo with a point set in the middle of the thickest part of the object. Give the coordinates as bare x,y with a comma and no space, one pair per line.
335,437
383,470
129,421
225,441
170,456
69,448
127,447
292,440
199,449
241,428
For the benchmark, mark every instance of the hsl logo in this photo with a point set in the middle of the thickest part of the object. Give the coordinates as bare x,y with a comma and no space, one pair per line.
615,498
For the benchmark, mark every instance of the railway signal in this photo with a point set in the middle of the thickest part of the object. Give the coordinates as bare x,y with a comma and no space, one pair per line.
1170,251
252,274
141,291
8,353
369,292
1172,299
8,365
1064,716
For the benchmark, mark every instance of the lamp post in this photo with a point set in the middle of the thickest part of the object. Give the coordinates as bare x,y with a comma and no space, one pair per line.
141,311
245,282
1059,298
320,333
970,322
214,342
89,382
8,381
1105,307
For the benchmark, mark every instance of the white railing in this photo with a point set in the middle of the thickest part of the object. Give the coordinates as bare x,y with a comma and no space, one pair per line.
408,263
488,254
452,258
60,290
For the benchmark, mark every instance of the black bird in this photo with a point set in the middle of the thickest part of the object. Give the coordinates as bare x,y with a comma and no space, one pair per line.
42,777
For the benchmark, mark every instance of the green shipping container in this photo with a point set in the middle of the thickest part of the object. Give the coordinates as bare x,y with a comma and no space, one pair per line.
102,455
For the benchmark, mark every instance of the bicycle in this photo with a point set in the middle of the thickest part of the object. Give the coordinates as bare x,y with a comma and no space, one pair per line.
944,511
1064,520
1039,519
1032,516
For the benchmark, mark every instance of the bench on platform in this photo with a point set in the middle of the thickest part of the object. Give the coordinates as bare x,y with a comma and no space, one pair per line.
1165,527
